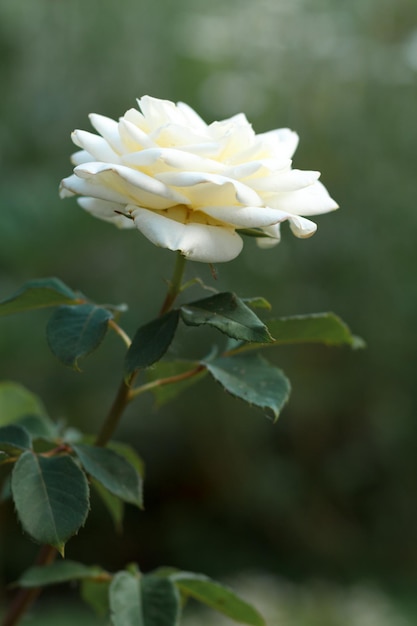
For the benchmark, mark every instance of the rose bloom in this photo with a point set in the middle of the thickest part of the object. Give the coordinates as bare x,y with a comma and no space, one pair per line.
191,186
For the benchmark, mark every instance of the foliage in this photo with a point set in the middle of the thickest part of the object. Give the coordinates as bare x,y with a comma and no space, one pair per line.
52,469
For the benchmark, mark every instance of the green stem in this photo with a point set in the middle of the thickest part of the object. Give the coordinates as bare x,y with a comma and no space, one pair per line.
175,284
113,417
166,381
125,394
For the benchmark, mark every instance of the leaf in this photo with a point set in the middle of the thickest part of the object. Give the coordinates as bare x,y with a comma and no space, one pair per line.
112,471
168,369
59,572
17,402
229,314
38,427
161,601
113,504
145,601
75,332
126,600
14,439
38,294
258,302
325,328
252,379
218,597
151,342
51,497
95,593
130,454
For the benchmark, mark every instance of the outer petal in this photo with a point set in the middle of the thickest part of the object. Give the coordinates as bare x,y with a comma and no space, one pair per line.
136,186
198,242
108,211
81,156
95,145
312,200
74,185
289,181
246,216
108,129
301,227
283,141
274,237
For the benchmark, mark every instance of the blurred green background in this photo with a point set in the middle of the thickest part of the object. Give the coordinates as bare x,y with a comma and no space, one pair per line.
330,491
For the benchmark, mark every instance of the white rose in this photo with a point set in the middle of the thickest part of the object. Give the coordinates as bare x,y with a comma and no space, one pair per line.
190,186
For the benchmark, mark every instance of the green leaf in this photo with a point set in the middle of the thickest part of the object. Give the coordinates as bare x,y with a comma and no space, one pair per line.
151,342
161,601
325,328
168,369
75,332
51,497
59,572
113,504
14,439
38,294
252,379
38,427
258,302
112,471
229,314
17,402
218,597
143,601
95,593
126,600
130,454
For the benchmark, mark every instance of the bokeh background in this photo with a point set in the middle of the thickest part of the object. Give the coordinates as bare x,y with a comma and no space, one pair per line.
329,493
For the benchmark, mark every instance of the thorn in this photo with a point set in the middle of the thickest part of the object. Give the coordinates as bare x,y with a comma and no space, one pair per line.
213,271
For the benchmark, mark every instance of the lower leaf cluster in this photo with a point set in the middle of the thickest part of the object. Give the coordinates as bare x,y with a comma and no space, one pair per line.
134,599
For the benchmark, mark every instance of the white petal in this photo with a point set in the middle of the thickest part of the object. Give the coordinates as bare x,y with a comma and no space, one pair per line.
139,188
174,158
192,117
178,135
197,242
159,112
195,180
108,211
312,200
74,185
292,180
133,137
95,145
246,216
82,156
135,117
274,237
301,227
209,149
109,129
283,141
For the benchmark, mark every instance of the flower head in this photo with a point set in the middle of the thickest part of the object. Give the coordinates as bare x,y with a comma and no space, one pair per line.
191,186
